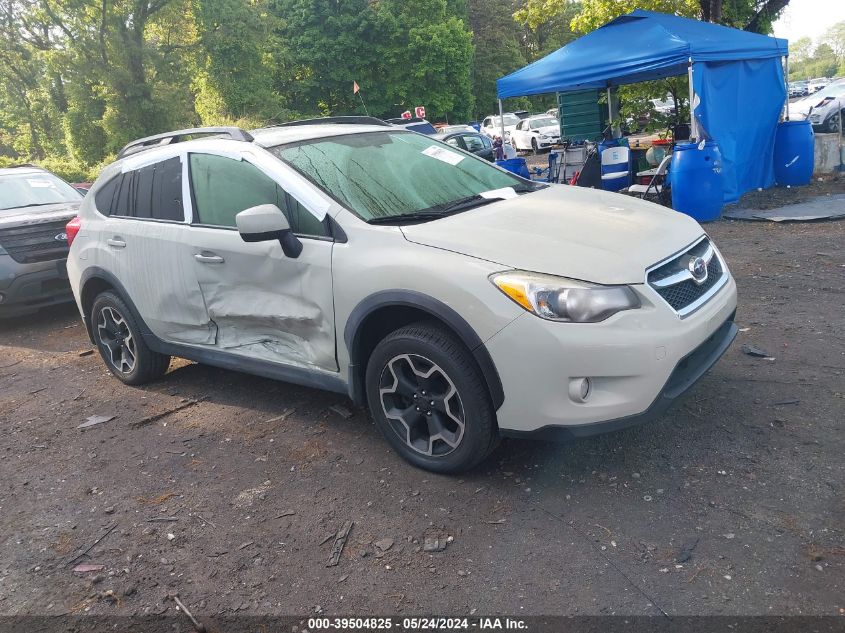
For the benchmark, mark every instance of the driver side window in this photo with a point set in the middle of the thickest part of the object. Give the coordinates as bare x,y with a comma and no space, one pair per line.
223,187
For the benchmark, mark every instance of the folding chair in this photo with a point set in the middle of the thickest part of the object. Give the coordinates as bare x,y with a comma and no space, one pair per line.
658,181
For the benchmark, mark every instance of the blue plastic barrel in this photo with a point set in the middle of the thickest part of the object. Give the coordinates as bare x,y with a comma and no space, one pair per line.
608,182
794,153
515,165
696,178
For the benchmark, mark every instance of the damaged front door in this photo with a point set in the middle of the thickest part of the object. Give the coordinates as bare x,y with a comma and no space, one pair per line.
266,306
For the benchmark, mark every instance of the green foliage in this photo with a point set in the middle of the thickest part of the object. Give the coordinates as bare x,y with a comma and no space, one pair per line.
234,75
80,78
401,55
825,58
594,13
433,56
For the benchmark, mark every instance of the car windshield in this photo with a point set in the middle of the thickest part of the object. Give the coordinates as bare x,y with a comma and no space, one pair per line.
34,189
833,90
545,121
383,175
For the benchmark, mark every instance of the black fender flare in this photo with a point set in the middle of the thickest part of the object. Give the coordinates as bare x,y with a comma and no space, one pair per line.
434,307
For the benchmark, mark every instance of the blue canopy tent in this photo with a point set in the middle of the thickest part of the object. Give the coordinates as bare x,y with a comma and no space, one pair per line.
736,77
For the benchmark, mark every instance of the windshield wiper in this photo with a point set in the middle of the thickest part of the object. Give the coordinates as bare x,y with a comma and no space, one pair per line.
34,204
437,211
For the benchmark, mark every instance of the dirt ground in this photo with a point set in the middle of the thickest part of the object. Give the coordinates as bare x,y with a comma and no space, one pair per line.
730,504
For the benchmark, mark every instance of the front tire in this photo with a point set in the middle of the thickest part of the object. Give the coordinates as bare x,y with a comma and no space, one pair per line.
535,149
833,123
429,400
121,345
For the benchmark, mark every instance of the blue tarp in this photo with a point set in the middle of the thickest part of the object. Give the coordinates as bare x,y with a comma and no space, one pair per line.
737,76
740,105
636,47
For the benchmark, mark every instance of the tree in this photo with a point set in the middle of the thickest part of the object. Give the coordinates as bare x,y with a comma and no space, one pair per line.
835,38
498,50
751,15
401,55
432,55
233,74
330,44
800,50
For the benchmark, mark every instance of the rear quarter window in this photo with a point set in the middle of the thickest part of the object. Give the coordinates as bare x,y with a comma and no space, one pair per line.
104,198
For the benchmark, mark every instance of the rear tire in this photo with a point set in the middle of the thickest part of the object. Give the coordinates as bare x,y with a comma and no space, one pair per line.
121,344
429,399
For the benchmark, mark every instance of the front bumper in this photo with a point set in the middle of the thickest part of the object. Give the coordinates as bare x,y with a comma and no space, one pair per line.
637,361
25,288
685,375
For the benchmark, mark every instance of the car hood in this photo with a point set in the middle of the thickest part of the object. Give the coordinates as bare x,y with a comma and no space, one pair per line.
573,232
32,215
551,130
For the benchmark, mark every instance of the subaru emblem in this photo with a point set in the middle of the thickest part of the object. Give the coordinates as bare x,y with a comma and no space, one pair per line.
698,269
61,237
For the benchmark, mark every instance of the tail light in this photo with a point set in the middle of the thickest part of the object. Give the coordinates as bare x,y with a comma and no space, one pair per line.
72,228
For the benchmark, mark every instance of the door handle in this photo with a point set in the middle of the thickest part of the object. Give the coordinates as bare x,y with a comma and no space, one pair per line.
116,242
208,258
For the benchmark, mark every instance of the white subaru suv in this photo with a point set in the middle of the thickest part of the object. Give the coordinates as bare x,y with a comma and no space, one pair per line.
457,300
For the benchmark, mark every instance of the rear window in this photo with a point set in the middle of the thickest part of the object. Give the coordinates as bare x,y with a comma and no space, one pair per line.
34,189
422,128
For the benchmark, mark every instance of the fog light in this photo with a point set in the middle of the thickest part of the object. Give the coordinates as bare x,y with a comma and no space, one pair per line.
1,297
579,389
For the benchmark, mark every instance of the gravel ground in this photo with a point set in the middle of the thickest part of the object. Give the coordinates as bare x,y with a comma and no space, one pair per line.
730,504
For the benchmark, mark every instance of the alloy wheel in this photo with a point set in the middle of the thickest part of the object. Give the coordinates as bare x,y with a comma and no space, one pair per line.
422,404
116,337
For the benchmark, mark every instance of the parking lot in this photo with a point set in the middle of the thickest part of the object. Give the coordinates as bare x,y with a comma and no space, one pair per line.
228,489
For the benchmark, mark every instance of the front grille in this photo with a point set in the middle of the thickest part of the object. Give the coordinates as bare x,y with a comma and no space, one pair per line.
675,283
37,242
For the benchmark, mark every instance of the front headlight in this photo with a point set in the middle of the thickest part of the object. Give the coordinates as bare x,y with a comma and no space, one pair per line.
560,299
3,251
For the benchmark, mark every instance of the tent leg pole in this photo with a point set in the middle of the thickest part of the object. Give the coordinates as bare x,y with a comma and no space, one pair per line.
692,127
786,84
501,121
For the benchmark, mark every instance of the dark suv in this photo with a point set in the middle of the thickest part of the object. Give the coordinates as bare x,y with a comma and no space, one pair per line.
35,206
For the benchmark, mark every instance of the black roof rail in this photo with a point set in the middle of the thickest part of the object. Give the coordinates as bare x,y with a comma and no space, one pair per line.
343,120
168,138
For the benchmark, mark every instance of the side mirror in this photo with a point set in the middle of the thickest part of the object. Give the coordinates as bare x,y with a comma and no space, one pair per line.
266,222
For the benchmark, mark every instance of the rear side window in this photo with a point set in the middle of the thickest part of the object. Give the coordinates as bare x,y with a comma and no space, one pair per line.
104,198
167,191
151,192
223,187
124,201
